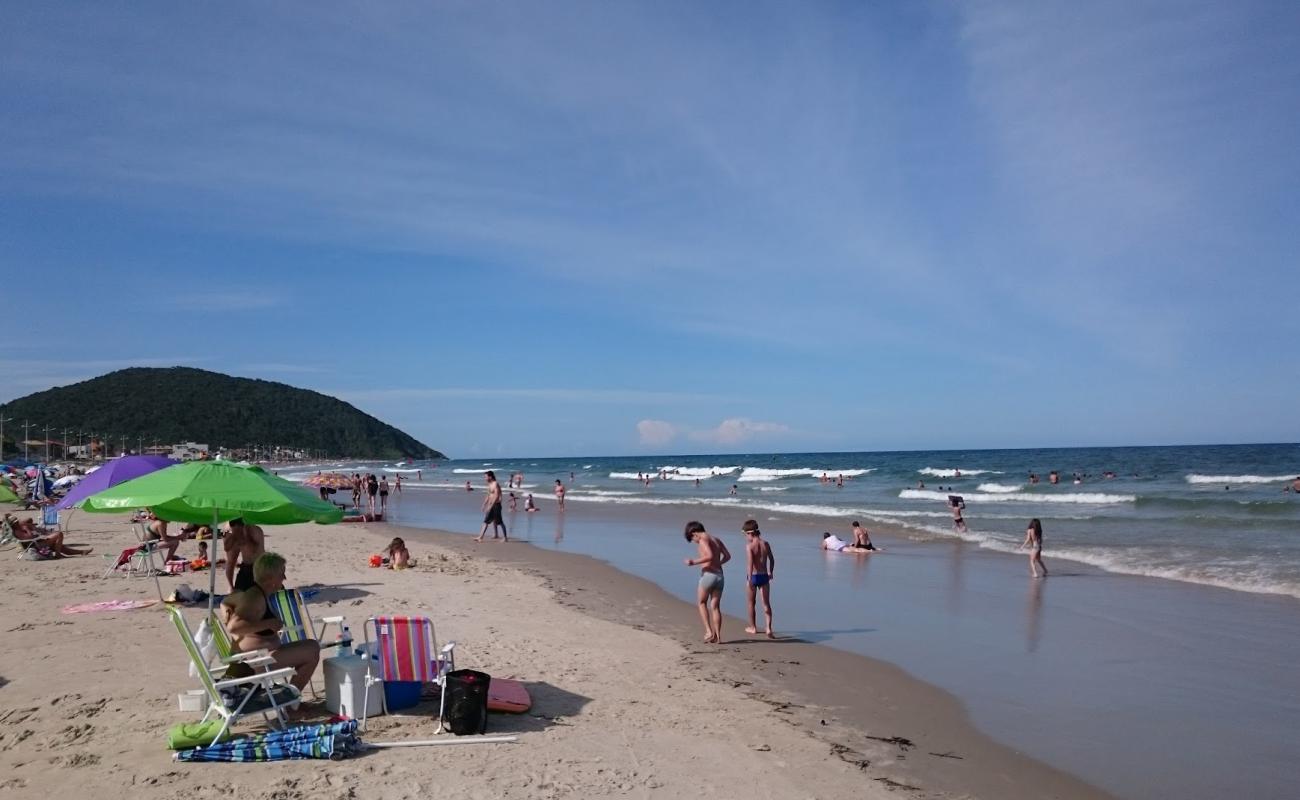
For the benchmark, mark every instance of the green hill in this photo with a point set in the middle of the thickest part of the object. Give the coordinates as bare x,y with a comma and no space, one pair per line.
180,404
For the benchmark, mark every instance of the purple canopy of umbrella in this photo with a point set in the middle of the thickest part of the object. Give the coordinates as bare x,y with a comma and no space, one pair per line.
113,473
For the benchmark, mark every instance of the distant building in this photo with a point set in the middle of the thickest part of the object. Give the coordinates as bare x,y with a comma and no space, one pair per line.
189,451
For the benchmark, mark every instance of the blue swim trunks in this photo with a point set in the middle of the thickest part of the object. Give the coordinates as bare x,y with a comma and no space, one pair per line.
759,579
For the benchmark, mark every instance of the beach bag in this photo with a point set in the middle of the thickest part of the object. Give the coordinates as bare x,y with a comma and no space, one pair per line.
466,708
194,734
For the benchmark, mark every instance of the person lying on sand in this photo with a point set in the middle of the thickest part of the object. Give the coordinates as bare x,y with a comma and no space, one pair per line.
834,543
253,626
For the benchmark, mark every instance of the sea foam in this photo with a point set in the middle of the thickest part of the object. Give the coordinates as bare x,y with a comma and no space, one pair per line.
1089,498
1194,478
952,473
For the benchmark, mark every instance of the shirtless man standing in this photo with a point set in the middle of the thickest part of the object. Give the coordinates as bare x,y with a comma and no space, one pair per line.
243,544
559,494
761,567
712,555
492,509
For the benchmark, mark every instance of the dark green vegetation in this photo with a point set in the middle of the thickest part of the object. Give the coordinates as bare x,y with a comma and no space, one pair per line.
180,404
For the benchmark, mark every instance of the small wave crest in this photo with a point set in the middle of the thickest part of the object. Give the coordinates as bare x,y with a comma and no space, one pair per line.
998,488
1225,479
955,472
761,474
699,472
1087,498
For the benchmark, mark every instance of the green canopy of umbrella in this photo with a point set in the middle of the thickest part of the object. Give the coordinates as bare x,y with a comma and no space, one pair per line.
7,495
204,492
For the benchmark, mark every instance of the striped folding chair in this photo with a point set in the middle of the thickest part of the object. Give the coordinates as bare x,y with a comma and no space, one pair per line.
225,650
406,649
291,608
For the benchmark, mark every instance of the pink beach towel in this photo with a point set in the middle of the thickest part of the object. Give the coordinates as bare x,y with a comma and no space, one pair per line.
108,605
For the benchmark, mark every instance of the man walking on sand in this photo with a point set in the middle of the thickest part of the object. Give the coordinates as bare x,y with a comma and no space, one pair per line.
760,565
492,507
712,555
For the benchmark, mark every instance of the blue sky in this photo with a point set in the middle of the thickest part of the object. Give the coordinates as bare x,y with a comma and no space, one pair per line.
608,228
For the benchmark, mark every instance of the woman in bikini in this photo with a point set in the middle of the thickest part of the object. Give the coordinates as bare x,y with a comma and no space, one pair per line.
253,626
1034,541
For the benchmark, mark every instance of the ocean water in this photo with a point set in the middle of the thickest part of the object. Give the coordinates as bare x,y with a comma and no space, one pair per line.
1215,515
1135,683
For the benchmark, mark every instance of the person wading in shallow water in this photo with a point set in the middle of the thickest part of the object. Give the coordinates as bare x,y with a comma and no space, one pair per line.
761,568
1034,541
712,555
492,509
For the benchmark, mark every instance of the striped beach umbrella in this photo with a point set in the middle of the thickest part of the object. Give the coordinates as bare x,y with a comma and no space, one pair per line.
332,741
329,480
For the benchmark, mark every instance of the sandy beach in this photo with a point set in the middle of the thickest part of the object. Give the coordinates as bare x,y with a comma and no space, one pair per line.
624,703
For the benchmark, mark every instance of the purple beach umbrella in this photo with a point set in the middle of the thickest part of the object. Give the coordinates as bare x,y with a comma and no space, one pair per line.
113,473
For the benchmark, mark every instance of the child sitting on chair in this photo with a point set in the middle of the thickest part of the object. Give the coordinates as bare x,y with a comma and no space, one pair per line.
398,556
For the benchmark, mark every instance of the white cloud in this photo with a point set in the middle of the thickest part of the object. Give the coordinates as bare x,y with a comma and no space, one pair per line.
737,430
656,432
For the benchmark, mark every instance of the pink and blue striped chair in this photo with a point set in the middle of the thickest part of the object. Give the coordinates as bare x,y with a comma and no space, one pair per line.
406,649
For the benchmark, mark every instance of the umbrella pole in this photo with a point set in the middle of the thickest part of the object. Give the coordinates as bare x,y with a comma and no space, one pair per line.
437,742
212,561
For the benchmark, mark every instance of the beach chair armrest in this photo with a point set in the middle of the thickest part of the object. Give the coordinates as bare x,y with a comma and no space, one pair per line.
333,620
447,648
246,656
252,659
267,677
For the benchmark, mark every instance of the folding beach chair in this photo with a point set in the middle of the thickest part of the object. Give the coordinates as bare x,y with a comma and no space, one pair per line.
28,549
266,693
223,647
50,519
406,649
291,608
8,538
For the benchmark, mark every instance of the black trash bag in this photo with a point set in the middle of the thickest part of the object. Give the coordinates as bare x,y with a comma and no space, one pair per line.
466,708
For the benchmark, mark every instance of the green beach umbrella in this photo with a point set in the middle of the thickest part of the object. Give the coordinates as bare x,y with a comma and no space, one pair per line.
212,492
7,495
209,492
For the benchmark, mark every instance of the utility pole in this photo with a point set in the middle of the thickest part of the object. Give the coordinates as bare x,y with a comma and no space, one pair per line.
47,444
26,427
64,439
123,445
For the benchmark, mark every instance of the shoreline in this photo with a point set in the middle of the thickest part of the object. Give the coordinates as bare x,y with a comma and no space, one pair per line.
870,713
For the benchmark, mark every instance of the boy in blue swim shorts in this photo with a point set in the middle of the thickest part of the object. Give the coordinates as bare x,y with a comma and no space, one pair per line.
760,565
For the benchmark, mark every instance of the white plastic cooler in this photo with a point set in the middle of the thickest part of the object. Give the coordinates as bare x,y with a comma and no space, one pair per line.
345,687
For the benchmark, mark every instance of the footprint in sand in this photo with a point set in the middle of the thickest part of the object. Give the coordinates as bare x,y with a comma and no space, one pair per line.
16,715
74,735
